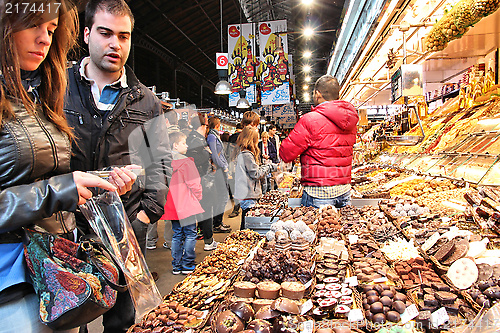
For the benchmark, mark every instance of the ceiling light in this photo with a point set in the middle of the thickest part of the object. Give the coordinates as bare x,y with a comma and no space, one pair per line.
307,2
307,68
222,88
307,98
307,79
243,103
307,54
308,32
306,87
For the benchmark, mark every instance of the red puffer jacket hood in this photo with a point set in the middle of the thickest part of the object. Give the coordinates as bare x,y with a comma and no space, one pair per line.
324,139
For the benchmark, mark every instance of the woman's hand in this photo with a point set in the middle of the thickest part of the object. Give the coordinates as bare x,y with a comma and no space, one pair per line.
123,178
84,180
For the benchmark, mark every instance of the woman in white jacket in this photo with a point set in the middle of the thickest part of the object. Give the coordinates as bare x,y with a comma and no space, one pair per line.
249,173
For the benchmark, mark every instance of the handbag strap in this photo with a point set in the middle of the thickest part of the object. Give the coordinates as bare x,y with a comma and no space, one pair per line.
88,247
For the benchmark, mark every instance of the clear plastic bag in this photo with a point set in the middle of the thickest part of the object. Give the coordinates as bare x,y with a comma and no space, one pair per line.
486,321
108,219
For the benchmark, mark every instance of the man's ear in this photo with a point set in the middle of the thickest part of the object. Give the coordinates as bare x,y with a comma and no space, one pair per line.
86,33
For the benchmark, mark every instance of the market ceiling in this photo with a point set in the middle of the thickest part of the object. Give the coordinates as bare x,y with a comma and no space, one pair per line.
174,42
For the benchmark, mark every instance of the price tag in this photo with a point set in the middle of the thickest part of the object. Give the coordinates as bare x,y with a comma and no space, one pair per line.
355,315
308,326
241,262
205,313
431,241
410,313
210,299
439,317
306,307
353,239
308,284
446,219
189,331
380,280
352,281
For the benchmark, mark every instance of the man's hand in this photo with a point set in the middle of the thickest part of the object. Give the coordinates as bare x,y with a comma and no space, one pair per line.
141,216
123,178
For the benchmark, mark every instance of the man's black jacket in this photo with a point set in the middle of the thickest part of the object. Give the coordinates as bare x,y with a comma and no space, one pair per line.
133,127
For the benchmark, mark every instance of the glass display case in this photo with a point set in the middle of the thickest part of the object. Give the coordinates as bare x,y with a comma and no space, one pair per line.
443,166
492,177
468,143
474,168
424,163
406,160
481,147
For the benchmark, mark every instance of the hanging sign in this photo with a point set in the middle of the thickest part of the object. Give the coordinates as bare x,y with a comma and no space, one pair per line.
285,115
242,61
221,61
274,67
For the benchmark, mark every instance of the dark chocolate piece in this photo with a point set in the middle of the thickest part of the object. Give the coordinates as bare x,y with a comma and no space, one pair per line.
445,297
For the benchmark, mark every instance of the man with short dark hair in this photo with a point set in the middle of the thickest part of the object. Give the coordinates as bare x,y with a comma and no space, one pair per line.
114,116
250,118
324,139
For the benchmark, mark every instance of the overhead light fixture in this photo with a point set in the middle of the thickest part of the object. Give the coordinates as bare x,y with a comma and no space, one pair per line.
307,79
306,68
307,54
243,103
307,98
307,2
308,32
305,87
222,87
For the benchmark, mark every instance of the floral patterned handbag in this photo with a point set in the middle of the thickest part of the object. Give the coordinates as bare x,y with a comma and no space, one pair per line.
75,283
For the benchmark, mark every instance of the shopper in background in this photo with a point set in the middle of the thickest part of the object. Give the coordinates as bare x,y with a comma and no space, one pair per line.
225,142
183,203
324,139
36,183
184,126
274,138
251,119
221,168
249,171
199,151
107,106
171,121
268,155
231,153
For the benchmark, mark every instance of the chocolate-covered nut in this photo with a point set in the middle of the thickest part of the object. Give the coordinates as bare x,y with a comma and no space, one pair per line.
386,301
377,307
393,316
379,318
372,299
399,306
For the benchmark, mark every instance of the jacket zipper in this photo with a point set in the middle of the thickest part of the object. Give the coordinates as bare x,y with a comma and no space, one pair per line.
80,118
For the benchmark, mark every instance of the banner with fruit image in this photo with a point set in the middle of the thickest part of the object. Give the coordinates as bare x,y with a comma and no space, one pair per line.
274,70
242,61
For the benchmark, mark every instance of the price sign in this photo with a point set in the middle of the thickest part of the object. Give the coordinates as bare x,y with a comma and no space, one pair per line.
352,281
222,61
306,307
380,280
355,315
353,239
410,313
439,317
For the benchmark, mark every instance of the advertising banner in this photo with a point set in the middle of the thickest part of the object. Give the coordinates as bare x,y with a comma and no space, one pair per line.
275,74
242,61
285,115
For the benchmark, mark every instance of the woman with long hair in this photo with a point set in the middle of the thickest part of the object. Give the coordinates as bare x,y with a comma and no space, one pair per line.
249,172
35,140
221,169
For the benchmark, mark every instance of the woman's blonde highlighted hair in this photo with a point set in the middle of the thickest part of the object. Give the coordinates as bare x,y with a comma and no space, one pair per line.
248,140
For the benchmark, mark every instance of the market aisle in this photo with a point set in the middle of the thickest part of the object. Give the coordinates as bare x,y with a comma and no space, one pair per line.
160,261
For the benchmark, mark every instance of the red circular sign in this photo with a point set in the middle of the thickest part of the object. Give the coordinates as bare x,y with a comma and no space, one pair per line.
221,60
282,69
264,29
234,32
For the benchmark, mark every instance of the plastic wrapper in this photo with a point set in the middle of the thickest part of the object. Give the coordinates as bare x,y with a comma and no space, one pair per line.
486,321
108,219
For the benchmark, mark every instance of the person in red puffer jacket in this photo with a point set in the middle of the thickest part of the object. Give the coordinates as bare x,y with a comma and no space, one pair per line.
324,139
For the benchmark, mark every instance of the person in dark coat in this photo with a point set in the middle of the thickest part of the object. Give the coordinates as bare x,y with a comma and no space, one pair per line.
198,150
324,140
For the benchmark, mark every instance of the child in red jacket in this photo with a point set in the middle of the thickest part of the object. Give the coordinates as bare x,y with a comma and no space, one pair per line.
183,203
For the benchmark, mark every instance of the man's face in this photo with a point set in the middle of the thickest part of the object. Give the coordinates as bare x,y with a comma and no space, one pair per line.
109,41
272,132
